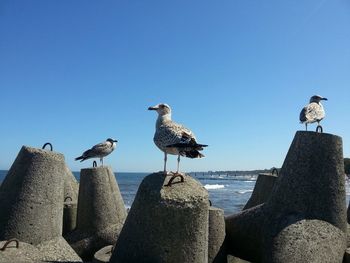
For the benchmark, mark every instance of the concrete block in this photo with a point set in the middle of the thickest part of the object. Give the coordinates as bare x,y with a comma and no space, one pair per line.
103,255
31,197
101,212
165,224
307,202
262,189
216,238
25,253
70,205
57,250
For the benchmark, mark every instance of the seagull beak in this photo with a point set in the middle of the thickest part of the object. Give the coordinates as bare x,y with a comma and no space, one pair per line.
153,108
115,140
324,99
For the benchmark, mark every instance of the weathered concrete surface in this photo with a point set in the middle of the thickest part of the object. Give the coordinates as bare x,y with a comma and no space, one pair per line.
309,194
216,238
165,224
347,256
101,212
71,186
31,197
309,241
232,259
70,210
25,253
262,190
71,189
103,255
57,250
244,233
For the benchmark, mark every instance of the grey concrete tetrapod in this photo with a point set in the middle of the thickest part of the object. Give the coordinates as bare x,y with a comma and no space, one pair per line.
101,212
216,237
19,252
31,203
70,199
165,223
262,190
31,197
305,218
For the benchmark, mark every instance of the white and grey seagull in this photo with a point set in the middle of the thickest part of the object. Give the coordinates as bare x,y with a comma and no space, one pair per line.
173,138
313,112
99,150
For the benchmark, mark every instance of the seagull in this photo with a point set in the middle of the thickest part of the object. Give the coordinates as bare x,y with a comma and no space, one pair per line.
99,150
313,112
173,138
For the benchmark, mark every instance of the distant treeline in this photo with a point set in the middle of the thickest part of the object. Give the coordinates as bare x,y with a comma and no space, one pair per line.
237,172
346,169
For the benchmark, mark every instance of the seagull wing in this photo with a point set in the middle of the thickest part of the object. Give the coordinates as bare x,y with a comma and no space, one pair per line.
302,116
172,133
314,112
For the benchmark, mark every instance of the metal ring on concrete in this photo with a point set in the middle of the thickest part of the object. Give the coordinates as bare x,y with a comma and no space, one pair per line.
274,171
68,197
94,164
319,129
49,145
8,242
173,177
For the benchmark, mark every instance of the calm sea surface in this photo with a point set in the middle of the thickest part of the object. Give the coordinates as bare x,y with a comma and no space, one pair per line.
226,192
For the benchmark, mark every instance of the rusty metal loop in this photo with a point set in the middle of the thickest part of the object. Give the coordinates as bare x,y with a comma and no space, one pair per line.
94,164
173,177
68,197
319,129
49,145
8,242
274,171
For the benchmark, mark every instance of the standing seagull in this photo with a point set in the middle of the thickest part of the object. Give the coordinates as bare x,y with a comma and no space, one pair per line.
313,112
99,150
173,138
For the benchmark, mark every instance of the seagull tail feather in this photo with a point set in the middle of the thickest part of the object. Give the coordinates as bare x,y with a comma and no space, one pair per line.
193,154
81,158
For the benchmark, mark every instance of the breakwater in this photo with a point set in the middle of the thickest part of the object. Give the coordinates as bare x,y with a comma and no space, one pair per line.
301,219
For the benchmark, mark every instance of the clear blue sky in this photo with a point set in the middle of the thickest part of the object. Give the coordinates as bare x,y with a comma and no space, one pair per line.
236,72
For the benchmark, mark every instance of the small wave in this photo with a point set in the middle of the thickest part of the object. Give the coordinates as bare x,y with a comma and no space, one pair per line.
214,186
244,191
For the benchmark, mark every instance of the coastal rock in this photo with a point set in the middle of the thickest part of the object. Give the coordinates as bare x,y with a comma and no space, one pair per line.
307,201
165,223
101,212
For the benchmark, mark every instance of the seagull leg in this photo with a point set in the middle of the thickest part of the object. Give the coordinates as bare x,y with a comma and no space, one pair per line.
101,161
178,164
165,159
176,174
306,125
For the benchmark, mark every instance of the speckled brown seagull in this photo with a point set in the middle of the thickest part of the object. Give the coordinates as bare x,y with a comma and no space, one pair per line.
173,138
99,150
313,112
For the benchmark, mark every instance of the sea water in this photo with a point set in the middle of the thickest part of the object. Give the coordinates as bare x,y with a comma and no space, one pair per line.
229,193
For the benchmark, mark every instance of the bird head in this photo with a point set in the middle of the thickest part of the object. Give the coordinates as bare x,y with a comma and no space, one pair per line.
317,98
162,109
111,140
